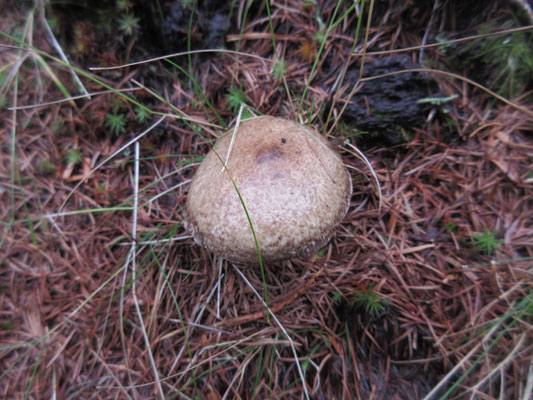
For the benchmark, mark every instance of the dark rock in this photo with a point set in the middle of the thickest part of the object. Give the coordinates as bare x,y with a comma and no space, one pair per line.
383,106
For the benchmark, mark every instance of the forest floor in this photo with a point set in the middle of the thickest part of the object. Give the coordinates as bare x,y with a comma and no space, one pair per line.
424,291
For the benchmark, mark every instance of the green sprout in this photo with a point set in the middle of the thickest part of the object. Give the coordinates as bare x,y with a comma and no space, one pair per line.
370,301
116,123
73,156
142,115
320,36
45,166
451,227
336,296
279,70
127,23
235,97
123,5
487,242
57,125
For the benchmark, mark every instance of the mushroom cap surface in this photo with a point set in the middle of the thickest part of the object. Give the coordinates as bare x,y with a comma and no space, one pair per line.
294,186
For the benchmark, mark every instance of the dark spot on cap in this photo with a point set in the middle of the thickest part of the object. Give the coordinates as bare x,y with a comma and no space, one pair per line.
267,155
283,140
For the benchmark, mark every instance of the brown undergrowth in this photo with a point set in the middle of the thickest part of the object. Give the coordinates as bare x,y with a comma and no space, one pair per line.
401,296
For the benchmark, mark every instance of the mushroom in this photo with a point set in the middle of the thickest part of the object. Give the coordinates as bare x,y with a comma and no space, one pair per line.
293,184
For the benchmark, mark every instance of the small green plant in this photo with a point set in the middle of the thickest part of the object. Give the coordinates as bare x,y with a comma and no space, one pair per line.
127,23
116,123
320,36
7,325
336,296
349,130
279,69
508,57
371,302
443,48
73,156
235,97
487,242
57,125
142,115
45,166
451,227
123,5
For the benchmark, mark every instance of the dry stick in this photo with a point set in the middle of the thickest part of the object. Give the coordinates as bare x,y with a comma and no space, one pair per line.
161,241
360,154
298,366
170,189
443,381
465,359
134,271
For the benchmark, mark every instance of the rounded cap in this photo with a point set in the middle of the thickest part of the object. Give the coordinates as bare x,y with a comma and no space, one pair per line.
293,184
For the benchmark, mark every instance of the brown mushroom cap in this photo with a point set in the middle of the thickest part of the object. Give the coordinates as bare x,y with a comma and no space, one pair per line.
293,184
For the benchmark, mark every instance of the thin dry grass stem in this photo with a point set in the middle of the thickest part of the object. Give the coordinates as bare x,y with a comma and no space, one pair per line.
180,113
295,354
105,161
219,284
529,384
111,373
134,272
182,53
476,389
233,136
447,42
359,154
239,374
189,333
59,49
361,67
69,99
